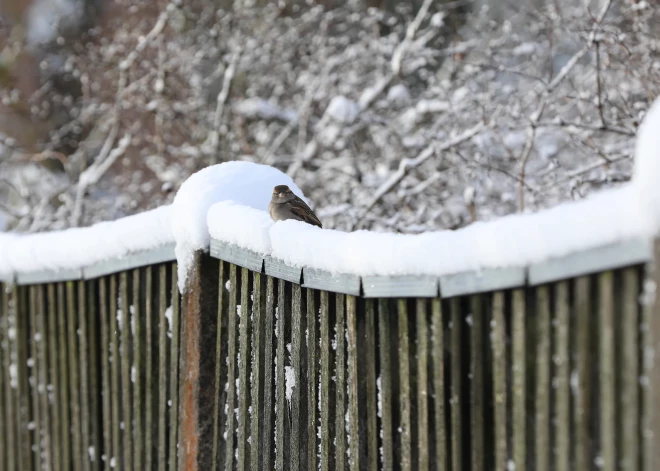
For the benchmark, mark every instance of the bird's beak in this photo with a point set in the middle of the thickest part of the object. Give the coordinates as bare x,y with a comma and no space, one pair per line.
281,195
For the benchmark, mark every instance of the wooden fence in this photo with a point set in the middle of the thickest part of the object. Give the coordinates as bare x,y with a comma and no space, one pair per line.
263,366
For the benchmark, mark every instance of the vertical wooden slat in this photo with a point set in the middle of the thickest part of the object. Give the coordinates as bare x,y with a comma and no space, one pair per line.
561,384
297,433
269,404
74,383
257,369
542,393
138,365
244,371
92,347
95,408
519,372
372,393
423,440
385,349
162,366
198,387
148,369
353,380
115,360
498,340
82,332
477,386
19,297
5,425
124,360
35,425
231,372
312,380
630,372
606,354
280,381
326,443
581,388
174,373
221,364
456,429
404,385
439,412
650,329
54,370
42,343
340,416
105,310
9,329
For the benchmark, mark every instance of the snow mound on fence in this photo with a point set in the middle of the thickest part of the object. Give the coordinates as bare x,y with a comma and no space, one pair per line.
79,247
248,227
245,183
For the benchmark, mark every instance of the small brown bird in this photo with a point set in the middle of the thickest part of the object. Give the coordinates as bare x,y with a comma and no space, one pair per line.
286,205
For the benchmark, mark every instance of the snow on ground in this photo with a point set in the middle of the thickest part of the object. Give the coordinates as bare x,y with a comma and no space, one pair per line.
229,201
244,183
79,247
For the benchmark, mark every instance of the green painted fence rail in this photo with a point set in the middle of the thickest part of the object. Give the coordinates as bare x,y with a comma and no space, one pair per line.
264,366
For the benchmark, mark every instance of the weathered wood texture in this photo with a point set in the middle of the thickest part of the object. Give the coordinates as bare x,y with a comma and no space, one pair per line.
248,371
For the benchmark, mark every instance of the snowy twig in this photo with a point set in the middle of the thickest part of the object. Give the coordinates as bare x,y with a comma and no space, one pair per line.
524,158
406,165
411,32
94,173
599,89
144,41
589,127
536,116
221,100
370,95
587,169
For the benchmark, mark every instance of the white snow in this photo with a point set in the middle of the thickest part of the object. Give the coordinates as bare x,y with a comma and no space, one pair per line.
245,183
647,168
240,225
263,109
342,110
290,380
556,232
80,247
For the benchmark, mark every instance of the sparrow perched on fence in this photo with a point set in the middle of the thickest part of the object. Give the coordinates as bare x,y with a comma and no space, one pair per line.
286,205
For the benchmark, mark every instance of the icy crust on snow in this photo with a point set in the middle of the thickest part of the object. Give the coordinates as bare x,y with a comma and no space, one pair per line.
81,247
245,183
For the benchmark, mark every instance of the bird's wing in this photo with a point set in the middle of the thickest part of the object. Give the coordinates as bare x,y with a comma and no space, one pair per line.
300,209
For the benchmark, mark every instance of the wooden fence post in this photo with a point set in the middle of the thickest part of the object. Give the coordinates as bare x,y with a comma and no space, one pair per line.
197,389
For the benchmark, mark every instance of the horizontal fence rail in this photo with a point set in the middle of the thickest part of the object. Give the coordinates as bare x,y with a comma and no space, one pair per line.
263,366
